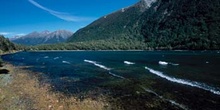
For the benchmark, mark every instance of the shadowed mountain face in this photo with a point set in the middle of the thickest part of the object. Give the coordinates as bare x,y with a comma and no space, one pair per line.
160,24
45,37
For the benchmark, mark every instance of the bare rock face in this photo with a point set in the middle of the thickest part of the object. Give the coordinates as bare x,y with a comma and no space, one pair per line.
145,4
148,2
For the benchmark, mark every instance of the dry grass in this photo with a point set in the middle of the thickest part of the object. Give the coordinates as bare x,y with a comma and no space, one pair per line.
25,93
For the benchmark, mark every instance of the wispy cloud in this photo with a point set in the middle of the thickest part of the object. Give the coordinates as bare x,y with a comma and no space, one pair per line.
20,34
5,33
11,34
61,15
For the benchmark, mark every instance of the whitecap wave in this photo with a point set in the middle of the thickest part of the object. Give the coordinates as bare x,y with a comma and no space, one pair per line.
46,57
185,82
163,63
174,64
66,62
166,63
56,58
129,63
98,65
104,67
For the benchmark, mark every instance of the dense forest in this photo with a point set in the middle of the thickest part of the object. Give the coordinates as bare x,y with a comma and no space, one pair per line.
167,24
116,31
118,25
183,24
6,45
95,45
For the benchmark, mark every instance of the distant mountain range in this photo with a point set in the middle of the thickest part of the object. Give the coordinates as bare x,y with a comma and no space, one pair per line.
45,37
156,24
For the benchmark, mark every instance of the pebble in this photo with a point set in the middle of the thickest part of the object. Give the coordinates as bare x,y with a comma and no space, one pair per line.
50,106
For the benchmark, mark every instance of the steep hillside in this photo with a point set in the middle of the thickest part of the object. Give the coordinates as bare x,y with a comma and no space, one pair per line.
6,45
123,24
183,24
158,24
45,37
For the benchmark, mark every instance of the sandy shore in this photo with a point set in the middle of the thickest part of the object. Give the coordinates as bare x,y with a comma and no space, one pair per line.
21,91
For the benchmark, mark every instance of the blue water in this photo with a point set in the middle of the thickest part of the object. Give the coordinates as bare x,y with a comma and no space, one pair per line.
175,79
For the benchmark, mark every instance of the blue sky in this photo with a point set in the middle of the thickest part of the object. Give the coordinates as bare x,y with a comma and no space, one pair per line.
19,17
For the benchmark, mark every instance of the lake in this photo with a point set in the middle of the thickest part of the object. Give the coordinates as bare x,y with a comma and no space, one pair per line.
131,79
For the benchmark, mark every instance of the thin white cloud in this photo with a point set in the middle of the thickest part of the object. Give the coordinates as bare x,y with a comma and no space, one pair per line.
5,33
20,34
61,15
11,34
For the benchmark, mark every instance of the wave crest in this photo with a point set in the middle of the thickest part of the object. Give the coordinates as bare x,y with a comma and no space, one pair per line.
98,65
56,58
66,62
166,63
185,82
163,63
129,63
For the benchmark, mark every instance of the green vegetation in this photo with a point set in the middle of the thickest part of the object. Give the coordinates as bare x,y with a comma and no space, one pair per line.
109,44
118,25
117,31
183,24
1,62
6,45
167,24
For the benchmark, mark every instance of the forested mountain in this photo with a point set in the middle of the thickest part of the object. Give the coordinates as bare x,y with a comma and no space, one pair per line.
183,24
6,45
124,24
157,24
45,37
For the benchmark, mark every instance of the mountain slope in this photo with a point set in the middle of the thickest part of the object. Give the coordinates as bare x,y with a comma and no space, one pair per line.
183,24
45,37
6,45
124,22
159,24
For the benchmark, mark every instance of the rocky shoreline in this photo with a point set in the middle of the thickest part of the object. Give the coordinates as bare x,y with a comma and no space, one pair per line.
21,91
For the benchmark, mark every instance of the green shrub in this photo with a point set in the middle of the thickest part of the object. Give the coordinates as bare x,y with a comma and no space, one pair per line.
1,62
